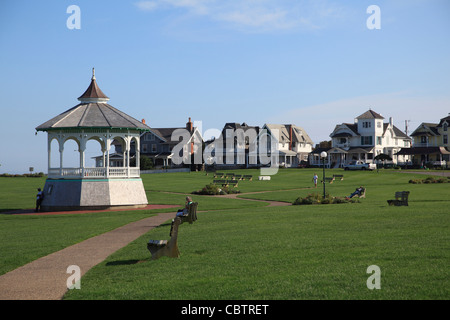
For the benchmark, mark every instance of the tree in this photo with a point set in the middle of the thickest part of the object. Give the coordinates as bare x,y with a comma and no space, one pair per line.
145,163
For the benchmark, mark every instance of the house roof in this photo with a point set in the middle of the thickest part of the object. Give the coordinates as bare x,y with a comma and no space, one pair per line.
93,112
166,134
398,133
298,133
370,114
446,119
426,128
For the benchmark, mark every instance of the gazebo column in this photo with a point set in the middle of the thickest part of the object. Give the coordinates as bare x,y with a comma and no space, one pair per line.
138,153
128,145
61,152
49,150
108,147
82,150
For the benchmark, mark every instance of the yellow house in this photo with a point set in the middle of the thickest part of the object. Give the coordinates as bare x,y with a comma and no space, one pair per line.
430,144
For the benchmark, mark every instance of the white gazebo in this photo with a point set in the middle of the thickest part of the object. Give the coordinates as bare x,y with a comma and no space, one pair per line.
78,188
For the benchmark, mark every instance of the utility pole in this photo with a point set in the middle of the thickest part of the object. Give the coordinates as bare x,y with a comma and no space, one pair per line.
406,126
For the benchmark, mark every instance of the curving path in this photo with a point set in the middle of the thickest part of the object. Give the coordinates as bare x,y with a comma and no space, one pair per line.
46,278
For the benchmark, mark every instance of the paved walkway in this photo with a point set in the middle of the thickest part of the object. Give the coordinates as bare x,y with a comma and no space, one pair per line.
46,278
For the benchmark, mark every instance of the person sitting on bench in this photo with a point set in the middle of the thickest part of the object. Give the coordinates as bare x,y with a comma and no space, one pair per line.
358,192
185,210
181,212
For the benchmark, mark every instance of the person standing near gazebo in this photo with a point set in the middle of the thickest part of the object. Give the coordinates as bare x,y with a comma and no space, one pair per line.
39,198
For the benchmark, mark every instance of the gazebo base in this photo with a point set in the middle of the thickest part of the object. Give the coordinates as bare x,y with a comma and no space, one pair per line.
93,194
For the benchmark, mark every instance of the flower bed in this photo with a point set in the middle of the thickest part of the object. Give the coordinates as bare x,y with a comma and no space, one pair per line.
315,198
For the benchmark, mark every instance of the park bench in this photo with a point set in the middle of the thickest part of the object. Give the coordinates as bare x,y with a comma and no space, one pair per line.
191,216
159,248
401,199
208,170
330,180
226,183
219,175
237,177
247,177
341,176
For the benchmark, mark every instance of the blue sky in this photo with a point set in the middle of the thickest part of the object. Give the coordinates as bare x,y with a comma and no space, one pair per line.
313,63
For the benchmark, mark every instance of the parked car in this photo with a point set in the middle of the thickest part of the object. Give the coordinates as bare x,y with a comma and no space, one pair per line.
360,165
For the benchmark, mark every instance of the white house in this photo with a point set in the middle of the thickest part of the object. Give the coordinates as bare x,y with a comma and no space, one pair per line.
293,144
365,139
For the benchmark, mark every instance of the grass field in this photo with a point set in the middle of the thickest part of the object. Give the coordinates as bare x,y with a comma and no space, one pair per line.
240,249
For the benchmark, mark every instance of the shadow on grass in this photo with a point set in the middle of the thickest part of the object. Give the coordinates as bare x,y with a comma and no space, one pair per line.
125,262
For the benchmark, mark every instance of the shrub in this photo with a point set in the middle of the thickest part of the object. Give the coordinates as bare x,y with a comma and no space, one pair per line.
212,189
429,180
316,198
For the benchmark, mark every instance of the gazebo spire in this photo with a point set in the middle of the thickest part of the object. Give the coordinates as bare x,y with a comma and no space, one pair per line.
93,94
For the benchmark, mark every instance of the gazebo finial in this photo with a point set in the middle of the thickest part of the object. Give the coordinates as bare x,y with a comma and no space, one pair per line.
93,73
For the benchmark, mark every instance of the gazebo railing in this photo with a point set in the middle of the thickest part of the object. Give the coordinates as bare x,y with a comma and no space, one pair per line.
93,173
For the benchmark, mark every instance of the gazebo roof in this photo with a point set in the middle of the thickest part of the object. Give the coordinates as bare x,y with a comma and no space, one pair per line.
93,112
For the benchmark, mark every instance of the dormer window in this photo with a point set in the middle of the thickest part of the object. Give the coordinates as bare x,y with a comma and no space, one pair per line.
445,126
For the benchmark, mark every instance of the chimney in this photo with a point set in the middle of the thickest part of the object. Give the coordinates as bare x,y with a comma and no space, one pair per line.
391,121
290,137
143,121
189,125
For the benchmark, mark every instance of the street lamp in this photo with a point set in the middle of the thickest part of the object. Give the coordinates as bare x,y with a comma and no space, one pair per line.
323,155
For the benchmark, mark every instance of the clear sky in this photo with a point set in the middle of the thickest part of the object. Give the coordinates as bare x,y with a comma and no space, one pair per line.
313,63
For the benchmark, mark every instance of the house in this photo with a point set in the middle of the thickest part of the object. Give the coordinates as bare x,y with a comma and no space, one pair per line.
294,144
171,147
430,144
365,139
232,148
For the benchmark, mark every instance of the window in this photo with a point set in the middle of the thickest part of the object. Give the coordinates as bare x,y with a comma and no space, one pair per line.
379,124
366,124
366,140
445,126
153,147
379,141
423,139
445,139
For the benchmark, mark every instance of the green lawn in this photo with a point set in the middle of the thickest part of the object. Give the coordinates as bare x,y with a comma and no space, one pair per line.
241,249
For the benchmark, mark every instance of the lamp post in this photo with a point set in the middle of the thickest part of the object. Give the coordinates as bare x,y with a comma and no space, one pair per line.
323,155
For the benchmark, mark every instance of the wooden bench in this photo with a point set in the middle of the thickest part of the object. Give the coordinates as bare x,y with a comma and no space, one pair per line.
191,216
237,177
401,199
226,183
338,176
219,174
330,180
247,177
210,170
159,248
